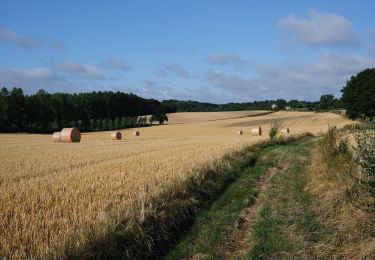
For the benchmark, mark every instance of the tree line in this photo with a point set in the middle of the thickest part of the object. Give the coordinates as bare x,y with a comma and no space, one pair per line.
44,112
325,102
95,111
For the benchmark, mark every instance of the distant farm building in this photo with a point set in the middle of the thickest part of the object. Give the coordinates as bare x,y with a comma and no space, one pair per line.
274,107
288,108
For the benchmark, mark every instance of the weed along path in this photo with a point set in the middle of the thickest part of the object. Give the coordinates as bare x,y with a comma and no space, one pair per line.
265,213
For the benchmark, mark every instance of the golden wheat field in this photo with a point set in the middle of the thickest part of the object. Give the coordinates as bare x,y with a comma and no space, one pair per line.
193,117
50,190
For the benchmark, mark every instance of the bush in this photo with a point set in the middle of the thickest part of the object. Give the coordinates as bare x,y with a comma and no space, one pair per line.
329,144
275,128
343,198
365,138
343,147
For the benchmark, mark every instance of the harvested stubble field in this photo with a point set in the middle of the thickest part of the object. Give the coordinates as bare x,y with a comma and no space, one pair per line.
50,190
192,117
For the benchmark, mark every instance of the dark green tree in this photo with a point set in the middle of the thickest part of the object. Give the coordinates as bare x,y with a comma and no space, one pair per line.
98,124
116,123
16,109
327,101
159,117
3,109
281,103
123,122
358,96
294,103
92,125
160,114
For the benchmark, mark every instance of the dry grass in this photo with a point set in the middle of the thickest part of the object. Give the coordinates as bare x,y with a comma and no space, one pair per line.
50,190
345,206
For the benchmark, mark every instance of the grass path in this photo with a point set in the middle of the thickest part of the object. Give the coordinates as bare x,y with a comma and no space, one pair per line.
264,214
287,225
214,225
238,243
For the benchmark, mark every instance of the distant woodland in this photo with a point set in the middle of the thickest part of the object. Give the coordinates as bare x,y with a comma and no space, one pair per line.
45,112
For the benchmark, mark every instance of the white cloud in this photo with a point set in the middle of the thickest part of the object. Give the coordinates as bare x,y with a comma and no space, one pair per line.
29,74
10,37
328,74
58,77
226,58
29,79
319,28
115,63
78,70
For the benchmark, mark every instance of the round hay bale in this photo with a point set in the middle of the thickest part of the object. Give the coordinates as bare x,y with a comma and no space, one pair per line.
70,135
284,131
56,137
256,131
136,133
116,136
240,132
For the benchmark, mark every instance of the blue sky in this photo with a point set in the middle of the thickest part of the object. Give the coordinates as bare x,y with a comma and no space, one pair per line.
215,51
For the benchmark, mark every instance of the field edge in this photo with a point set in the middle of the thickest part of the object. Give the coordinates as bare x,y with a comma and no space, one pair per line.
158,222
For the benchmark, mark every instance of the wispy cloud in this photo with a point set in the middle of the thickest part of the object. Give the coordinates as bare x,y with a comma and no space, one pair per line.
327,74
154,89
317,29
29,79
177,70
26,74
227,81
159,72
62,76
116,63
11,37
8,36
227,58
79,70
57,45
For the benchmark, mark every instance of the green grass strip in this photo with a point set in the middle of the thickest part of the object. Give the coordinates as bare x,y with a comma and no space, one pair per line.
287,227
214,225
